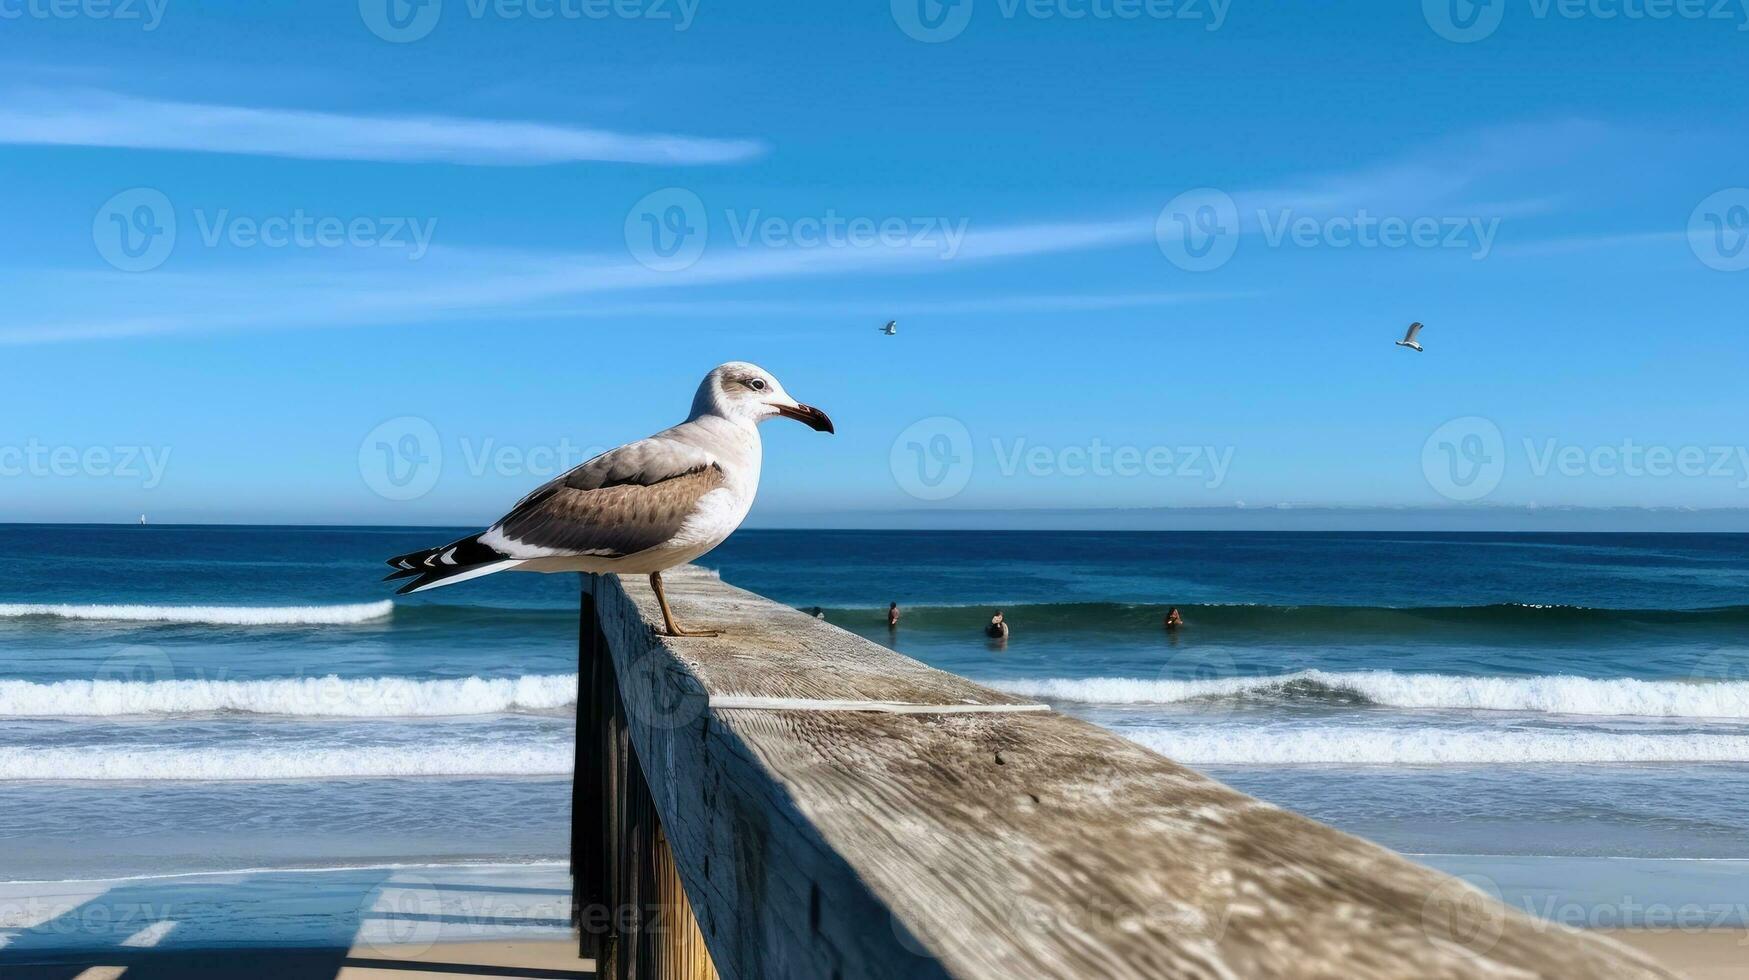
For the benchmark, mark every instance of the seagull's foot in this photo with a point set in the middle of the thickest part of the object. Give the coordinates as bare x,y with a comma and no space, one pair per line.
674,629
677,632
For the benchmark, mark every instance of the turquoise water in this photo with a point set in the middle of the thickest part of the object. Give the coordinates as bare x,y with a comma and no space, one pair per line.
204,700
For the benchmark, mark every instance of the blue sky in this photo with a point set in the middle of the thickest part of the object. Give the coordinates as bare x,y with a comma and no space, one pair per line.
348,263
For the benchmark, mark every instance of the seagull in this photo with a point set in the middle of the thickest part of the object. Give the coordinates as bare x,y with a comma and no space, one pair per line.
1409,338
891,329
640,509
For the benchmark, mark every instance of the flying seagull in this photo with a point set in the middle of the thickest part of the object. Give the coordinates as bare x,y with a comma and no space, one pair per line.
1409,338
891,329
640,509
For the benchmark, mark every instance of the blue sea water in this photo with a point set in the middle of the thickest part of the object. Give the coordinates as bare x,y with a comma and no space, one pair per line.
192,700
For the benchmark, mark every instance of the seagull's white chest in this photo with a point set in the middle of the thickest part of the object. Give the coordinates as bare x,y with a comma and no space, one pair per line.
718,512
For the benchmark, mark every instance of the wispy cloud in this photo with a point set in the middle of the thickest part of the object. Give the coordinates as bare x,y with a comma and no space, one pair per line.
38,117
460,282
1444,173
453,283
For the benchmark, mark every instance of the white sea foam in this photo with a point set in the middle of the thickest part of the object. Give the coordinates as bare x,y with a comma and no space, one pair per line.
212,615
331,697
110,763
1553,694
1346,745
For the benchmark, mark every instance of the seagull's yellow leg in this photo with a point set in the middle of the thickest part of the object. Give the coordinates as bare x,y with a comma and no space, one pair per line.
668,616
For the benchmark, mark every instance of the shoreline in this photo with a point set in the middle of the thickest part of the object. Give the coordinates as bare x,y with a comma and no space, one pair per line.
546,959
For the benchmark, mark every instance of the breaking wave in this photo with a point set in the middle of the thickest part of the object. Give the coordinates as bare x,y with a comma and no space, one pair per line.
1346,745
209,615
331,697
507,758
1560,694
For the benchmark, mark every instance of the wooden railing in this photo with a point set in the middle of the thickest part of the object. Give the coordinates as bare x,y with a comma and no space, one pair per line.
791,801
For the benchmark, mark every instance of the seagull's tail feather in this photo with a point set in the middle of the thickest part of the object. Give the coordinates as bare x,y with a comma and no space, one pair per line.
448,564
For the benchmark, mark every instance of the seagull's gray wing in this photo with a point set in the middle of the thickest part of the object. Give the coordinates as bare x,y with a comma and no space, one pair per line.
622,502
1414,330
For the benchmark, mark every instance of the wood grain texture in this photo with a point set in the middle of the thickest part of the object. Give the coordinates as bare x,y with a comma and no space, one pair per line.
863,844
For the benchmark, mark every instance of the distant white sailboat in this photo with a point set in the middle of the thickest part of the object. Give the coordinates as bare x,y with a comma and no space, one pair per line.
142,518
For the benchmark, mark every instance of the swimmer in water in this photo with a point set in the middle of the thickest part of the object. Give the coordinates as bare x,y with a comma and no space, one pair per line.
893,616
1173,620
998,628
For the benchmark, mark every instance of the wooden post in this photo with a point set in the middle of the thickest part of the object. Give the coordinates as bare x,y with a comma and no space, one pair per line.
588,887
628,902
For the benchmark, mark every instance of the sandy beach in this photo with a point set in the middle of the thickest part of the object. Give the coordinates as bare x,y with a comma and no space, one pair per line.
1712,954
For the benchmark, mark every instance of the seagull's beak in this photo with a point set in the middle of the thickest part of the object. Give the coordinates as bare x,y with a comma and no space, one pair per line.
808,415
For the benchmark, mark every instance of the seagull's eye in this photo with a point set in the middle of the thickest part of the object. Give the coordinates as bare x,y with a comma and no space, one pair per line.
757,384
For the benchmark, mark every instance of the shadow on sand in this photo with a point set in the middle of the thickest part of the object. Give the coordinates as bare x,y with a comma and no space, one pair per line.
299,929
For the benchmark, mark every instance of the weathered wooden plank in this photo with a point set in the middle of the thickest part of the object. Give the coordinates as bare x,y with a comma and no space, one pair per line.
868,844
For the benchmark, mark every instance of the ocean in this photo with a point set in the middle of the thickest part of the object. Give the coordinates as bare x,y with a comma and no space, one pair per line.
1564,718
